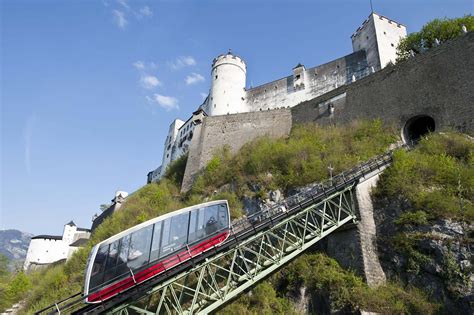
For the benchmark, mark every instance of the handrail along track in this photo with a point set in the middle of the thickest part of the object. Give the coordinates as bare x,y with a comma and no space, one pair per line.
258,245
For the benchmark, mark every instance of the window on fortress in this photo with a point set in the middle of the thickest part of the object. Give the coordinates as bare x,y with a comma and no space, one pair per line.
298,77
216,76
392,45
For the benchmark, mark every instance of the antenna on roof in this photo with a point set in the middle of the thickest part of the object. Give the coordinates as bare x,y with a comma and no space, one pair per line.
371,7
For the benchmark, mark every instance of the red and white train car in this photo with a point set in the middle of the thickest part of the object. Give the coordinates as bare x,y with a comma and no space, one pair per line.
150,248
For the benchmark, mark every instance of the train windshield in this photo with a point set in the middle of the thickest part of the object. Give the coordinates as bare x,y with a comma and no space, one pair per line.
156,241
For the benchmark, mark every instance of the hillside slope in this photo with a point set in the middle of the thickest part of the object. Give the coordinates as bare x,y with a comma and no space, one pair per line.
256,176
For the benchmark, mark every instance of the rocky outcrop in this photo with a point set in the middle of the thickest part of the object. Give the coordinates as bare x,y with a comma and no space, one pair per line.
437,256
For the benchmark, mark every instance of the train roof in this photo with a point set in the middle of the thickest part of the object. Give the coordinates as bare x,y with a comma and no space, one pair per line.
157,219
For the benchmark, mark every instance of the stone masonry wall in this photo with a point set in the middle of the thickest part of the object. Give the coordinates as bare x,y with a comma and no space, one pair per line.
355,246
233,131
438,83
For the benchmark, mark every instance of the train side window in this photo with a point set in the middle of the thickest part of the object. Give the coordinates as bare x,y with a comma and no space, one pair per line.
99,266
139,252
179,231
195,230
122,257
155,246
113,254
111,261
165,238
124,248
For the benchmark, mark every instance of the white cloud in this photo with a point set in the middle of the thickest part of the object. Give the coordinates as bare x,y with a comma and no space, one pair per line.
149,81
139,65
194,78
181,62
166,102
119,18
145,11
123,3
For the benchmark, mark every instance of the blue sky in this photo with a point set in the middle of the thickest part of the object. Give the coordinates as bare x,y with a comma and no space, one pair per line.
88,88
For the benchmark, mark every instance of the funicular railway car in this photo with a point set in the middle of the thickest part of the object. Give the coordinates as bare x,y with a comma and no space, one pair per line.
148,249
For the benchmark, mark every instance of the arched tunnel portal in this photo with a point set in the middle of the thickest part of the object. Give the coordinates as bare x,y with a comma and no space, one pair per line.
416,127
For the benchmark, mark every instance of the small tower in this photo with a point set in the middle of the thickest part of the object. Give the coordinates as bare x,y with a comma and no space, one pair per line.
228,77
379,37
298,77
69,231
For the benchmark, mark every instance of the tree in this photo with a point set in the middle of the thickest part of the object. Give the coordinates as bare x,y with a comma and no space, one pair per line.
438,29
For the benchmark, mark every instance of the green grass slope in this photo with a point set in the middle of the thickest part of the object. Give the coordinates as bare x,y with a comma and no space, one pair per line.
302,158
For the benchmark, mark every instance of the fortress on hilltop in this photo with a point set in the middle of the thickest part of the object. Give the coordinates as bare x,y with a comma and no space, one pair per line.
374,46
48,249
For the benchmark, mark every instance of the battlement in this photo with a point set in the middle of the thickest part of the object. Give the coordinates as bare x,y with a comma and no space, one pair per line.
229,58
380,17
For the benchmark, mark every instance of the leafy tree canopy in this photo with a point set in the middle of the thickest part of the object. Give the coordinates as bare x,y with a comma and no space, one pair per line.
440,29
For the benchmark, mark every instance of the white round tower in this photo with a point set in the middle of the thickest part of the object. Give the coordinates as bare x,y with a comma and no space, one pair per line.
228,77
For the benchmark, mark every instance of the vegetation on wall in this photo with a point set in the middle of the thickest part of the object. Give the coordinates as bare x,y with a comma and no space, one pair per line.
437,178
440,29
304,157
436,183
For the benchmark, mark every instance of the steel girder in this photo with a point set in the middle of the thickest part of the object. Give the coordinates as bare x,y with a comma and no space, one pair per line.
221,278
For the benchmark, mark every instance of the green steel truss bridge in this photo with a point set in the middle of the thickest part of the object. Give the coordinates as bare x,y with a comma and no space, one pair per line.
257,247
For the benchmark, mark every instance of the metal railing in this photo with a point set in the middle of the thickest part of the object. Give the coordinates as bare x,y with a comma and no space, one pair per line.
244,231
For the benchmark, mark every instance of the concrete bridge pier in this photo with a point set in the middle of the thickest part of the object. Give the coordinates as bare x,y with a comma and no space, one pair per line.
355,247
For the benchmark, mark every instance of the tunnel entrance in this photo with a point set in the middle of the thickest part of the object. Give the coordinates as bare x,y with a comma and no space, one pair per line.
416,127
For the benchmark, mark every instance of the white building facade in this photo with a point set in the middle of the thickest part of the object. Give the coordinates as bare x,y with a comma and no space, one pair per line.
47,249
374,46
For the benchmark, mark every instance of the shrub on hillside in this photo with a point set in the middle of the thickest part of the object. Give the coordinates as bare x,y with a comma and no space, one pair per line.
437,177
301,159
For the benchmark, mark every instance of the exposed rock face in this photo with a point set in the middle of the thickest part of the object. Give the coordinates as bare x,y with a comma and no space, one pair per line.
14,245
437,257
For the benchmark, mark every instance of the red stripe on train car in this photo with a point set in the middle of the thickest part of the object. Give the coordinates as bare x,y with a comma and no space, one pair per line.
156,269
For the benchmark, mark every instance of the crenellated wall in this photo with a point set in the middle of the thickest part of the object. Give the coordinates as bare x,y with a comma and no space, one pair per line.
438,83
316,81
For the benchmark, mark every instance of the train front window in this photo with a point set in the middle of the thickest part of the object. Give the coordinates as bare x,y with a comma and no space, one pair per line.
139,252
211,220
98,268
223,216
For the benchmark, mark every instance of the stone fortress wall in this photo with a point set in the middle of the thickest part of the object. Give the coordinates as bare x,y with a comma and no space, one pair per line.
232,131
374,44
437,84
311,83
